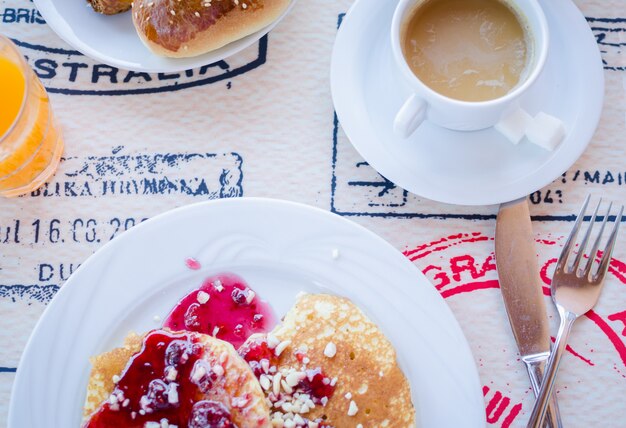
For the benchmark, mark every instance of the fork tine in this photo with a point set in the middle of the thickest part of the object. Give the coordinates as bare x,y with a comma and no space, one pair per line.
583,244
567,248
608,250
596,244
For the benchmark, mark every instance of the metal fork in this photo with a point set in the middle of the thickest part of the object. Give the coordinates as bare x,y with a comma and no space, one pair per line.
575,290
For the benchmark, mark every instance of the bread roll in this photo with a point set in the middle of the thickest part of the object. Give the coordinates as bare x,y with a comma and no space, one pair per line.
110,7
185,28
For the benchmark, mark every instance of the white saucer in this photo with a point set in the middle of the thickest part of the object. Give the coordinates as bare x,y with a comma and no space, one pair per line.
114,41
280,248
464,168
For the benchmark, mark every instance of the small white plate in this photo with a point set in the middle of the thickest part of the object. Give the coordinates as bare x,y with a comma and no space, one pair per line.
464,168
114,41
279,248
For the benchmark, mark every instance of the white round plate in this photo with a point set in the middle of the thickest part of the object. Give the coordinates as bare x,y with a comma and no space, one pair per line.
279,248
464,168
114,41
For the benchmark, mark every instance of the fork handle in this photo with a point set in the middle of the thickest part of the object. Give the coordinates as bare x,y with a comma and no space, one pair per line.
535,372
538,414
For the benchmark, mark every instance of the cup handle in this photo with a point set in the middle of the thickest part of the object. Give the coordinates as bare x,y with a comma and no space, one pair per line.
410,116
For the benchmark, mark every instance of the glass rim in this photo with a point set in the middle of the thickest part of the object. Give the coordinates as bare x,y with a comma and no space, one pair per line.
21,63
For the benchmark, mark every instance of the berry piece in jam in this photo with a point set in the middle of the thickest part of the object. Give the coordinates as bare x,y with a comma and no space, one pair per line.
317,385
203,376
232,311
239,296
157,397
191,318
210,414
179,351
255,352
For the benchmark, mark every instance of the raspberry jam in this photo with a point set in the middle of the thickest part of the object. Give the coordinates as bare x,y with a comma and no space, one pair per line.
256,351
160,383
224,307
210,414
316,383
192,264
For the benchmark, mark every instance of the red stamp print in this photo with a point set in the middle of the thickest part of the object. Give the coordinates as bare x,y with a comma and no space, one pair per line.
464,264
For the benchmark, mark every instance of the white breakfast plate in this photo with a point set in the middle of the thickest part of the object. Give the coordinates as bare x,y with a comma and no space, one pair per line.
464,168
279,248
114,41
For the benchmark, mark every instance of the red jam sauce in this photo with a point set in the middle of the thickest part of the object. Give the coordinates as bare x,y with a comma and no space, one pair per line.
224,307
254,352
192,264
211,414
158,384
316,383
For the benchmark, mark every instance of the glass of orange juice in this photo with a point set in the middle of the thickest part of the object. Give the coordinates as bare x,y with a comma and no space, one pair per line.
30,141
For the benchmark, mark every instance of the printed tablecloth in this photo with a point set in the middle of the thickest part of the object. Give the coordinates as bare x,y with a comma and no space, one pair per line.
262,123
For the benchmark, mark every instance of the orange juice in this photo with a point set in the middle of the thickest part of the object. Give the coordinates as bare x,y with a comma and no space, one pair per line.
12,87
30,142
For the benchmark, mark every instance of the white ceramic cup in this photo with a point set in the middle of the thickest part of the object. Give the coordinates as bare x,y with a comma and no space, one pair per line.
459,115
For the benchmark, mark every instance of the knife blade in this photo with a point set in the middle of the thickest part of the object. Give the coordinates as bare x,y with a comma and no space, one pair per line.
520,284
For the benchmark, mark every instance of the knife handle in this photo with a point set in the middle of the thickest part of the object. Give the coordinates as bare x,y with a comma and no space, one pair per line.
535,372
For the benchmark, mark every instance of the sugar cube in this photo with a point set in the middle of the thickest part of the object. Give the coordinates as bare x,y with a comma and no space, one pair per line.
545,131
514,126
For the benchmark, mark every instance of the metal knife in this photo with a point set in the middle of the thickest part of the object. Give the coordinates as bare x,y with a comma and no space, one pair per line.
520,283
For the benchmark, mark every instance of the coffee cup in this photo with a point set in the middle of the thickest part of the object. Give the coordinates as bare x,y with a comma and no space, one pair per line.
457,114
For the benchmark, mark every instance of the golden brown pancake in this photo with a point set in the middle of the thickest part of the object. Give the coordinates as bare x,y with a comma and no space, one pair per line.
332,334
227,379
104,367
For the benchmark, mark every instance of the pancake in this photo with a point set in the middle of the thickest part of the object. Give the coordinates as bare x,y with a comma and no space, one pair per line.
104,368
192,380
336,368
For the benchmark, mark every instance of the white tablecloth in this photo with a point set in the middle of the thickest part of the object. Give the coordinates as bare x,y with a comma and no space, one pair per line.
262,124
